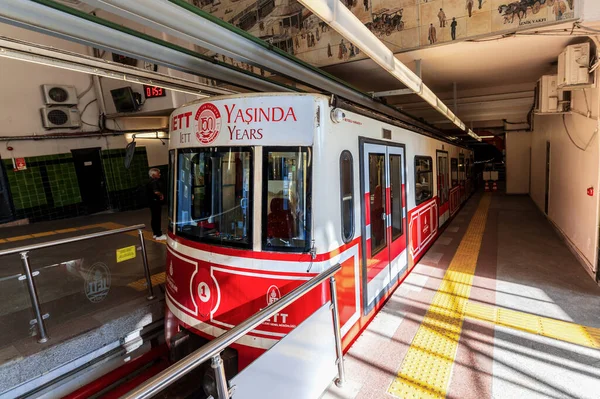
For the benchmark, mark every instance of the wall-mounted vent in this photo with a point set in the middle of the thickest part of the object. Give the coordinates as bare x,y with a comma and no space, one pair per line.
386,133
59,95
60,118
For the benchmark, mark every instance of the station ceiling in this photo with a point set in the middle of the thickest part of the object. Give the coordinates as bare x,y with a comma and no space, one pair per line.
485,81
494,77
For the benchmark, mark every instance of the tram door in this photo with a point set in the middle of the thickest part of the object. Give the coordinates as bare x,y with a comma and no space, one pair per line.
385,255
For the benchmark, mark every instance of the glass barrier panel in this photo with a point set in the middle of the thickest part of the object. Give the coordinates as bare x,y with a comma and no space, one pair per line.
80,285
16,317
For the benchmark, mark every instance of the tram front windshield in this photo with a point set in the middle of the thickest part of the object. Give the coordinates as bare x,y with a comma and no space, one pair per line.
213,195
215,189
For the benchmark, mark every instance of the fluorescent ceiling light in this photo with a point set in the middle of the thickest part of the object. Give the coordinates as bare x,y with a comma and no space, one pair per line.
487,137
340,18
472,134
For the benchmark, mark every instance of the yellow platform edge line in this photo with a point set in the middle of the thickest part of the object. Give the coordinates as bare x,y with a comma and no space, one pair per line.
19,238
545,326
427,367
106,226
140,285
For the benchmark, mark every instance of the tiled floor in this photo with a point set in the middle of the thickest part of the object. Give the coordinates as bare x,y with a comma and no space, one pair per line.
529,322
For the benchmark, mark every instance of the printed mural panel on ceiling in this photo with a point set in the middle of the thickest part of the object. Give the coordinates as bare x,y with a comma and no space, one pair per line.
401,24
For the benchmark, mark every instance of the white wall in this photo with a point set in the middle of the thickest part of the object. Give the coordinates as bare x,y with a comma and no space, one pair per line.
22,99
518,145
572,171
590,10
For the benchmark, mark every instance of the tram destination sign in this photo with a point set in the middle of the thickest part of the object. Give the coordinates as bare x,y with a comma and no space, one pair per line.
245,121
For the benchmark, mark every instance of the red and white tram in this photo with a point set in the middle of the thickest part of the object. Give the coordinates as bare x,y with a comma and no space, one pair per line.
268,190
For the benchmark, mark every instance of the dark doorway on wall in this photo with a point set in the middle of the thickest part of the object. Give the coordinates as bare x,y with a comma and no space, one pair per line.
547,176
90,175
6,208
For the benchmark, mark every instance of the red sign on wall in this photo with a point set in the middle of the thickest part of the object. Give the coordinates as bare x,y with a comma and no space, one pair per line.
19,164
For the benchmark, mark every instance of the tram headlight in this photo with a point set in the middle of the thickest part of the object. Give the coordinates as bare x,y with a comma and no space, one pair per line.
337,115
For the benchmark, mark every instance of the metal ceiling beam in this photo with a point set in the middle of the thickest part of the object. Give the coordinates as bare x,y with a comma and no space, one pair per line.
343,21
401,92
50,56
67,23
182,20
510,99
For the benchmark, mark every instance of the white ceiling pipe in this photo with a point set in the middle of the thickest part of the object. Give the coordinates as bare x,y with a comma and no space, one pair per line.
49,56
37,17
336,15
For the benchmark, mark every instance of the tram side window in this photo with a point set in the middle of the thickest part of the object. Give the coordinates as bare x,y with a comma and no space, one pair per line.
170,188
454,171
442,165
396,195
423,179
347,195
461,167
468,168
214,201
286,199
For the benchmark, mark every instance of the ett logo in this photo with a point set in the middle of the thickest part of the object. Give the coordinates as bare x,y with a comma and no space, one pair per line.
208,123
273,294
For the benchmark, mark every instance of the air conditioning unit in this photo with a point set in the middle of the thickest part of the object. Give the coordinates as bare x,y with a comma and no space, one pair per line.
59,95
548,99
60,118
574,65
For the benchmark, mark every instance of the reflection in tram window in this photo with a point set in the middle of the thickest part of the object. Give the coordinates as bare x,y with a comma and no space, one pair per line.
423,179
454,171
442,165
347,194
396,195
214,199
170,189
286,199
377,199
461,167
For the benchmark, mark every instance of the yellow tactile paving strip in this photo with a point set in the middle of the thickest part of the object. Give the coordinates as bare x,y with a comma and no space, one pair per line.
106,226
534,324
52,232
147,234
427,366
140,285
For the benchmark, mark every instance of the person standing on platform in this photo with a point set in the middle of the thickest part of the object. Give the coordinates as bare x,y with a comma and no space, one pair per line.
470,7
453,28
432,34
156,198
442,17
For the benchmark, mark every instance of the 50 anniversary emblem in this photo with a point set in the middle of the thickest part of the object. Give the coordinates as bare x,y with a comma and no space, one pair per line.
207,123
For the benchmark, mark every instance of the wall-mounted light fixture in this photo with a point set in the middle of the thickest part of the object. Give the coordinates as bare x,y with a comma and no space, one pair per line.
147,135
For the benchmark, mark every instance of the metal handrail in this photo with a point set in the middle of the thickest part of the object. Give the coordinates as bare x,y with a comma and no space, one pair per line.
69,240
213,349
31,288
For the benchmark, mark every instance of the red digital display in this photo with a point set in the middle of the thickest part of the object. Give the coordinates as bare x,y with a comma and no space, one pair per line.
153,91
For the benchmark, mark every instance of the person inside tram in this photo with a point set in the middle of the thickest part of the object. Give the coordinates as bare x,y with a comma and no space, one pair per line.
281,220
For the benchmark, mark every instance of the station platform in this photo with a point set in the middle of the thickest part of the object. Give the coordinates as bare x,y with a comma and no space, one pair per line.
94,302
498,308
